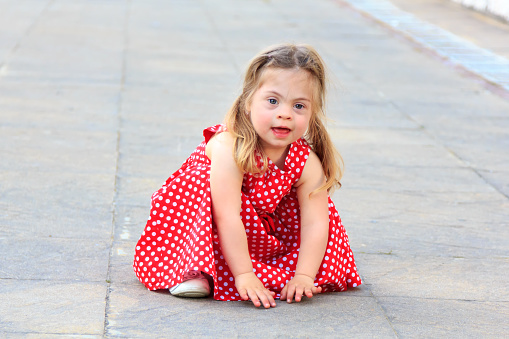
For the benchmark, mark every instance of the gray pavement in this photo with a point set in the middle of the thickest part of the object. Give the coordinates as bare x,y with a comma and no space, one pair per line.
101,101
483,30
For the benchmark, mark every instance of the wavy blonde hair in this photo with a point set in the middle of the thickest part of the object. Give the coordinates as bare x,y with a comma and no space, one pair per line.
238,122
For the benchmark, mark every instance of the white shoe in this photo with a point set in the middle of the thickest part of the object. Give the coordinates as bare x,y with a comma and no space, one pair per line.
194,285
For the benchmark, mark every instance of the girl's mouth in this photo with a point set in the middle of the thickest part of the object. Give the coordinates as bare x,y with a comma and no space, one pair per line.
280,131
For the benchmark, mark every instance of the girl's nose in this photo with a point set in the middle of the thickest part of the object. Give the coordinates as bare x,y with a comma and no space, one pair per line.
285,113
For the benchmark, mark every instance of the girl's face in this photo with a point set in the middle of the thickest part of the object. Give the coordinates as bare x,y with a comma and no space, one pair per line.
280,108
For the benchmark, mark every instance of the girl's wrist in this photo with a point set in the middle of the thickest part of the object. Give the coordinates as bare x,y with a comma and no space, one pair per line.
305,275
242,274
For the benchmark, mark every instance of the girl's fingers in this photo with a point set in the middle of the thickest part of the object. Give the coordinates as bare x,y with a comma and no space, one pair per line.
243,294
266,299
299,291
317,290
283,293
271,298
254,298
290,294
262,297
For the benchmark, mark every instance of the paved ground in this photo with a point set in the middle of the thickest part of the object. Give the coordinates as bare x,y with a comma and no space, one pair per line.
483,30
101,101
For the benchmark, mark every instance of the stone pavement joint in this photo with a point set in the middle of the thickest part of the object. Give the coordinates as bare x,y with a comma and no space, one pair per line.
117,156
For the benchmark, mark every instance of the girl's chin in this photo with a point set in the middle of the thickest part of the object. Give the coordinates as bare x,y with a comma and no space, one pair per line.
276,145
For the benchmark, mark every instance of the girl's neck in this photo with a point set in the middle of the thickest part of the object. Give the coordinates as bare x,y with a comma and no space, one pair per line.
278,157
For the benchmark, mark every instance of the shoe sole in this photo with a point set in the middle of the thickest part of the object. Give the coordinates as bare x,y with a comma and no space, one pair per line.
190,293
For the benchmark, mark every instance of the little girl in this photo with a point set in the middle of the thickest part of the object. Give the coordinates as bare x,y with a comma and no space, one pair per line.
249,210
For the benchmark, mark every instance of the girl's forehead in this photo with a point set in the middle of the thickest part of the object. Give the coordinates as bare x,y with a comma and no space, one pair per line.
272,73
287,77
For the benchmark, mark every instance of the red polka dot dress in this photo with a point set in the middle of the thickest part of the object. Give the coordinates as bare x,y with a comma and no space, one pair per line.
180,234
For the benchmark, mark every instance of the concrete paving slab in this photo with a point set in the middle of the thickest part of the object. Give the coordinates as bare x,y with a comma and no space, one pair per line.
134,188
66,46
372,114
166,104
431,155
412,179
421,239
484,157
33,307
44,335
16,19
69,150
479,62
152,165
383,136
91,108
121,264
486,212
468,138
427,318
57,259
60,204
130,221
414,276
162,314
158,27
497,179
162,69
482,30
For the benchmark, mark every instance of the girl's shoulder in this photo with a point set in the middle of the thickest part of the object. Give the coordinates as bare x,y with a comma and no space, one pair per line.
218,140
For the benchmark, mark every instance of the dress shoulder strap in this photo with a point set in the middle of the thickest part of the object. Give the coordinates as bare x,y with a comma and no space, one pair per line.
296,159
209,132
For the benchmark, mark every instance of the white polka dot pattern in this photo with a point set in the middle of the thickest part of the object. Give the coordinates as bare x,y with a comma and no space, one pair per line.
180,234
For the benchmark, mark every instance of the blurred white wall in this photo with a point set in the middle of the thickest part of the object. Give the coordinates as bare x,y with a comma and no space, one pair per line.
499,8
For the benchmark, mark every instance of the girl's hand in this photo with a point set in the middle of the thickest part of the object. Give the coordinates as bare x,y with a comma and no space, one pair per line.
299,286
250,287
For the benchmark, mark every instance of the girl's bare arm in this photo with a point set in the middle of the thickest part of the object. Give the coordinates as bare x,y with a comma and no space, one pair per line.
314,211
225,185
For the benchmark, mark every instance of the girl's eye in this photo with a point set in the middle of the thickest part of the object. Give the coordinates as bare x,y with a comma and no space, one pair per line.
273,101
299,106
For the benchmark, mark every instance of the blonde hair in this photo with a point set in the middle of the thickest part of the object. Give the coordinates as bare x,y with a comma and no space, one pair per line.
247,144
